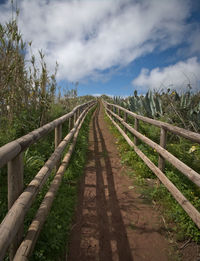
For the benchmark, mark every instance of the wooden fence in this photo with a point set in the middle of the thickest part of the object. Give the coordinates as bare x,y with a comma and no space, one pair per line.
114,111
19,201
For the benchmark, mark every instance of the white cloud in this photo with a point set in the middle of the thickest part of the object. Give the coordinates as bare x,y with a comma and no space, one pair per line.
86,37
194,41
176,76
96,94
99,94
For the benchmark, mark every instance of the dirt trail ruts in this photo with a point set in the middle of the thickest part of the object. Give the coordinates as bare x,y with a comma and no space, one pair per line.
112,222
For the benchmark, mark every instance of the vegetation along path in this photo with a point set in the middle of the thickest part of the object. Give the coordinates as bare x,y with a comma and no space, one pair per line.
112,221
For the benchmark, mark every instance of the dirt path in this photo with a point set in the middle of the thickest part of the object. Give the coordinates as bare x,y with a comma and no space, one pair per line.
112,222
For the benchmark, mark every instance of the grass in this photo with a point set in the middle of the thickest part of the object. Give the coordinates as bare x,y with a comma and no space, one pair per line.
55,234
178,221
27,101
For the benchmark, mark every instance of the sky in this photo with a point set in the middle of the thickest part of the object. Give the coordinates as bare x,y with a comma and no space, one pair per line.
114,47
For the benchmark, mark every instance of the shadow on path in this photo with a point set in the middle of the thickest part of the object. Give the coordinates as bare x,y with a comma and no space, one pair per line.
99,232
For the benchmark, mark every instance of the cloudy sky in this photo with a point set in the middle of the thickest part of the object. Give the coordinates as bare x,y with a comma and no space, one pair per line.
115,46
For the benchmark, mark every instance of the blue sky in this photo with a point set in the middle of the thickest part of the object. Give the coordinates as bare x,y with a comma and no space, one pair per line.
115,46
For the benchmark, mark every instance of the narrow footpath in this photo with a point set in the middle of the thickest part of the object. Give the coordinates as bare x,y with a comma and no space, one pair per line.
112,221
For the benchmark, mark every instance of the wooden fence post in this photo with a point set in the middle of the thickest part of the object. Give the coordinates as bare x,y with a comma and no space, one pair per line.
109,107
163,141
75,117
136,127
58,139
70,124
125,119
117,111
58,135
15,188
78,113
161,160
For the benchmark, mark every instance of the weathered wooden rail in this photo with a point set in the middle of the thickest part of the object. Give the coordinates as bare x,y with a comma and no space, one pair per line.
114,111
20,200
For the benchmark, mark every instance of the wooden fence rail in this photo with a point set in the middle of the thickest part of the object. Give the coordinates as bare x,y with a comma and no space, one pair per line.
19,201
163,153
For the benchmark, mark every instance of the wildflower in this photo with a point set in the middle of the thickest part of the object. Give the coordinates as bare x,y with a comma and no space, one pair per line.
192,149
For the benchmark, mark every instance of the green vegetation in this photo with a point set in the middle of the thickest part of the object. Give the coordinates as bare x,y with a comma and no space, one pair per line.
177,219
24,88
28,92
28,100
54,237
182,110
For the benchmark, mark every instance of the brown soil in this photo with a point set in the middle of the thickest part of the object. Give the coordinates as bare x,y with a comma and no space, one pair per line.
112,221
